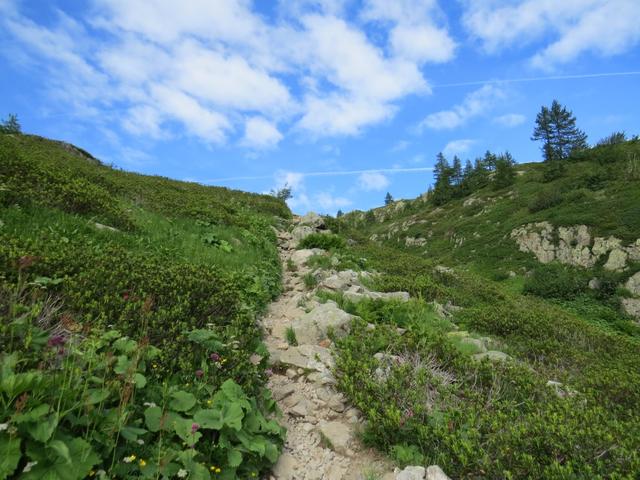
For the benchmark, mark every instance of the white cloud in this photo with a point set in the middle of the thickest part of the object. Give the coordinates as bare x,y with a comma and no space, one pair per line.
510,119
474,104
261,134
605,27
415,33
372,181
327,202
458,147
399,146
207,66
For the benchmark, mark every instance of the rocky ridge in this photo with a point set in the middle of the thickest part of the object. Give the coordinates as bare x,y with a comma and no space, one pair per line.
575,245
322,441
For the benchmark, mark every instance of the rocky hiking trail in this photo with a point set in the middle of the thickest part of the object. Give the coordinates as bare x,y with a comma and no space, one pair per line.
322,428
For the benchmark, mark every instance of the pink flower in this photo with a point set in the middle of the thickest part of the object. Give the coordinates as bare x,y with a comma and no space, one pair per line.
215,357
56,341
199,373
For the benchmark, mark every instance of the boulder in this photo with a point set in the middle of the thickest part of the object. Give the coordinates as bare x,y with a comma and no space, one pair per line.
312,220
337,435
312,327
411,473
595,284
633,284
617,260
632,307
300,232
492,356
341,281
434,472
286,467
415,241
300,257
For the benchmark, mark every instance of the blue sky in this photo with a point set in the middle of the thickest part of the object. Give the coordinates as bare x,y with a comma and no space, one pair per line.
343,100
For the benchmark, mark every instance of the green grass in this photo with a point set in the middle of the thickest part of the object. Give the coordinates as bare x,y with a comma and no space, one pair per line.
291,336
186,274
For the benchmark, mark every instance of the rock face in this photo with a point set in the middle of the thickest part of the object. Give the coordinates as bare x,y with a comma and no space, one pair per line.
312,220
434,472
631,306
573,245
633,284
415,242
312,327
300,232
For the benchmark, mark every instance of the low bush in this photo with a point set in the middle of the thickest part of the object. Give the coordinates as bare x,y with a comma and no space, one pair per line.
326,241
545,199
554,280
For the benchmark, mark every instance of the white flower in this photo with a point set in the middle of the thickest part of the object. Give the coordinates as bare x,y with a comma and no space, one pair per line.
29,466
149,404
140,441
182,473
3,426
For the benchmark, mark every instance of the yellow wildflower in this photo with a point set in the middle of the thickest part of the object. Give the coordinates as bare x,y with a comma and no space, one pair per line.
142,462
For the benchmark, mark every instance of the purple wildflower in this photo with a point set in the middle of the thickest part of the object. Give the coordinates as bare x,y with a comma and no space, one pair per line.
199,373
56,341
215,357
194,427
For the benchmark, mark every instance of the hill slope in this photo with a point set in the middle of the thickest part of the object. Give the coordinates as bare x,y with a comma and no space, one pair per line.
128,306
563,401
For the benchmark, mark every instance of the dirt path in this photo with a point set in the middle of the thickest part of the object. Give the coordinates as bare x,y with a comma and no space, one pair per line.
322,428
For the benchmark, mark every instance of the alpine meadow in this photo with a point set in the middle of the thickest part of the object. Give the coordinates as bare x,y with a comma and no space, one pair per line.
319,240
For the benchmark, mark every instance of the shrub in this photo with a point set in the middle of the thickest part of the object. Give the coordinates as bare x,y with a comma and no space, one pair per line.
554,280
545,199
326,241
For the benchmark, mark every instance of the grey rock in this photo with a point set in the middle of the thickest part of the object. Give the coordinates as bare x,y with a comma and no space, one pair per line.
617,260
100,226
299,233
312,220
411,473
595,284
491,355
632,307
338,435
434,472
300,257
633,284
286,467
312,327
283,391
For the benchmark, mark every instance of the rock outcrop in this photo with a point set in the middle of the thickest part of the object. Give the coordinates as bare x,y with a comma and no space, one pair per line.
574,245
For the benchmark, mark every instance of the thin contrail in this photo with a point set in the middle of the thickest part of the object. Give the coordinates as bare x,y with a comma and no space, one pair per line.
326,174
535,79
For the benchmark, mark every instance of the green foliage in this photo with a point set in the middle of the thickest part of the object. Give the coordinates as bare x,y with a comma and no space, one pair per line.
183,281
11,125
326,241
546,198
556,127
310,281
291,336
283,193
555,280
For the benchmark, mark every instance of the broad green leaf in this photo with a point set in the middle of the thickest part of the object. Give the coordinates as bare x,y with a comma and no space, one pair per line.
140,380
207,338
31,415
56,468
182,401
122,365
96,395
198,472
271,452
153,418
43,430
61,449
232,415
209,418
17,383
131,433
9,455
184,429
234,457
125,345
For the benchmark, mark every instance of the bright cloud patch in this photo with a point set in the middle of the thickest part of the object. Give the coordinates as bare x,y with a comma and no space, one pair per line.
510,119
473,105
458,147
260,133
206,66
372,181
565,29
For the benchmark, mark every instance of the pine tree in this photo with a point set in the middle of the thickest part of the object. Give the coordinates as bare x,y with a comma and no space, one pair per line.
339,214
456,171
505,172
442,189
388,199
10,125
556,127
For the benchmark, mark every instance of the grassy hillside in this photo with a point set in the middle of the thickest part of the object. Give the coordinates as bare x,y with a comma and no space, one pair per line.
128,305
496,419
